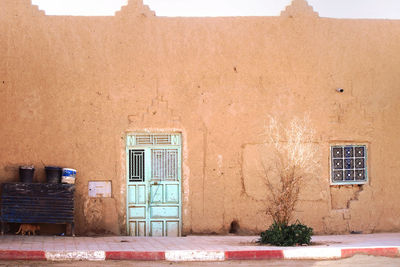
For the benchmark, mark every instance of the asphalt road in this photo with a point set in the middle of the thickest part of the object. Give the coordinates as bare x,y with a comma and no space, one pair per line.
358,260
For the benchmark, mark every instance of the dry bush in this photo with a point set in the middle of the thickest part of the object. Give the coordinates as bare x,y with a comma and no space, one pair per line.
294,153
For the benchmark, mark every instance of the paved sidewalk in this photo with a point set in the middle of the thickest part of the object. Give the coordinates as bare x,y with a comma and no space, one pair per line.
191,248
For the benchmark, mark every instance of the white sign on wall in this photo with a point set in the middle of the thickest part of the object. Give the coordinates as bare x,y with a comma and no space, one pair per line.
99,188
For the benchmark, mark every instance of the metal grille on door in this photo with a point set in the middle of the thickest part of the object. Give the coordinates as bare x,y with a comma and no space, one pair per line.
164,164
136,165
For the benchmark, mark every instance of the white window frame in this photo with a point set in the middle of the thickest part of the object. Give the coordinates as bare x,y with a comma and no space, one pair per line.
354,157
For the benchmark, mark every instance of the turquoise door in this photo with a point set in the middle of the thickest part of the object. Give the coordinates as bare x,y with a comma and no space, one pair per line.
153,184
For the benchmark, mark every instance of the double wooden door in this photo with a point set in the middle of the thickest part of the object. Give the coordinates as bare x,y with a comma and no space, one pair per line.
154,184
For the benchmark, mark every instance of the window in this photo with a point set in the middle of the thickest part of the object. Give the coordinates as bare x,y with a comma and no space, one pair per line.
348,164
136,165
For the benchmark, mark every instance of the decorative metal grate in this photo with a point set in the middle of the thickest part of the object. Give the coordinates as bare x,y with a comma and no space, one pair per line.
156,139
348,164
136,165
162,139
144,139
164,164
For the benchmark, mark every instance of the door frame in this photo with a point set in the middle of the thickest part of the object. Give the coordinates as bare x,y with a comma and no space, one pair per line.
148,183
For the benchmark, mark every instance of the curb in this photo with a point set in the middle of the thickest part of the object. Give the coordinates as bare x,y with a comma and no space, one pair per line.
75,255
194,255
201,255
313,253
22,255
255,255
135,255
384,252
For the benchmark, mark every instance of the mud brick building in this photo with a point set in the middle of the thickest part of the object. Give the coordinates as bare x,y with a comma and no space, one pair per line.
168,113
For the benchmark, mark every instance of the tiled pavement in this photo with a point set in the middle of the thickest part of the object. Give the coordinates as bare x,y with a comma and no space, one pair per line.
191,247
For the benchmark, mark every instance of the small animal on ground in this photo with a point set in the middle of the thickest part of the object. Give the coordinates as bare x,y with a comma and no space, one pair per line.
26,228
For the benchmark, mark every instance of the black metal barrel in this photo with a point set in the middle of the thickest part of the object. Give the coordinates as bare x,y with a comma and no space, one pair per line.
26,174
53,174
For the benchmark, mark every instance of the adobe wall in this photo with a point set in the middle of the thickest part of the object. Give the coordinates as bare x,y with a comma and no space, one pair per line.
73,87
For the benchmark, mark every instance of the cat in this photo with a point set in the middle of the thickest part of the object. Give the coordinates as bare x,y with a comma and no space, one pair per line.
28,228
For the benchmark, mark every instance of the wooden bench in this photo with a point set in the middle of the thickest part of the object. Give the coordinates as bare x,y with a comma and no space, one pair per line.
37,203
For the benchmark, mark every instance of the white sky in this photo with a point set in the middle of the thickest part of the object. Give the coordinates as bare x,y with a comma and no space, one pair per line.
385,9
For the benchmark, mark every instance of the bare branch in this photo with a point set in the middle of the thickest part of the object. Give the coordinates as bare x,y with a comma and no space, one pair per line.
294,152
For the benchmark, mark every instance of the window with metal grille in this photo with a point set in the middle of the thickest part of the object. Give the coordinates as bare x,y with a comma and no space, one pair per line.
164,164
136,165
349,164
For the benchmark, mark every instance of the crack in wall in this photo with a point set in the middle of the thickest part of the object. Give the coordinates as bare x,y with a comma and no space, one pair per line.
342,196
355,196
205,134
243,191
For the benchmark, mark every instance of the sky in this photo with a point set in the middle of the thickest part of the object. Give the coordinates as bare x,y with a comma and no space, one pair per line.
380,9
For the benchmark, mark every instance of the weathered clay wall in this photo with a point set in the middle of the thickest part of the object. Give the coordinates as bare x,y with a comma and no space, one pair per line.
72,87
